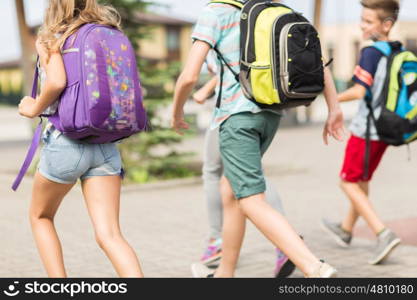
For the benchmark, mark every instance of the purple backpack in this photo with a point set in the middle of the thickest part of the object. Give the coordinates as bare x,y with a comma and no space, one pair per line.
102,101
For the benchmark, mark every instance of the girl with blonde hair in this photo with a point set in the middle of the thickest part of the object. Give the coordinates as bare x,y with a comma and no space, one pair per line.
64,160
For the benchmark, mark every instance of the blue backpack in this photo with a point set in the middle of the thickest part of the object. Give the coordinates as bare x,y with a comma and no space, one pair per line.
397,124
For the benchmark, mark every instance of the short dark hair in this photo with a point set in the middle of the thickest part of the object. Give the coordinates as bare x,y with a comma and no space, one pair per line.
387,9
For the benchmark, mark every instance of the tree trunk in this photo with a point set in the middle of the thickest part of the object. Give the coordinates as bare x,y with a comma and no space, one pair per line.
318,4
27,45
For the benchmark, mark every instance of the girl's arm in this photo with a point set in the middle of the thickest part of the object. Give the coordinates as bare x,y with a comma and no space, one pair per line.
202,94
334,125
354,93
186,82
53,86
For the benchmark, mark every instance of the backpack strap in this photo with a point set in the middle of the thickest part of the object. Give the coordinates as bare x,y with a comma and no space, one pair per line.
370,118
386,49
389,50
223,60
239,5
383,47
236,3
35,141
223,63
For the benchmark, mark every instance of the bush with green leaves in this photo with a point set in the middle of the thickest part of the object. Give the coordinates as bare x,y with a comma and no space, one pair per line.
152,155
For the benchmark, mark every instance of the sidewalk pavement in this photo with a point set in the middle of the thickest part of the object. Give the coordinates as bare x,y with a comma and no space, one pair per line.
13,127
166,222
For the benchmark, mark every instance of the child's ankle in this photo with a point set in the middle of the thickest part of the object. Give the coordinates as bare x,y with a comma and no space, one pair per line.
312,269
223,273
381,231
217,274
345,229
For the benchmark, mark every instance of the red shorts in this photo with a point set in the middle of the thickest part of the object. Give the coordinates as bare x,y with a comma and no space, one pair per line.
353,169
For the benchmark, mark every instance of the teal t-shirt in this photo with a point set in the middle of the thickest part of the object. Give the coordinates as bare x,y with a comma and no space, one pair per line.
219,25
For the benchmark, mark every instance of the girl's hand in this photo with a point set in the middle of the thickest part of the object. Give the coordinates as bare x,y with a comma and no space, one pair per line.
27,107
178,124
200,97
334,126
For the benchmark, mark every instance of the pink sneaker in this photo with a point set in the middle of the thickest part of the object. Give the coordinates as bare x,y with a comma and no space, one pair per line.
213,252
284,267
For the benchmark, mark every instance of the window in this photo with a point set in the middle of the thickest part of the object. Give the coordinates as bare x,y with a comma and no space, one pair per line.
173,42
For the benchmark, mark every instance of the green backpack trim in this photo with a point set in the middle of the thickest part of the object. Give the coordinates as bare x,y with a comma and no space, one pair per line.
263,76
394,84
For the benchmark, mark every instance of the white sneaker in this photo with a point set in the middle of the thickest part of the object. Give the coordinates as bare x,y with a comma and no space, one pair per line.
324,271
198,270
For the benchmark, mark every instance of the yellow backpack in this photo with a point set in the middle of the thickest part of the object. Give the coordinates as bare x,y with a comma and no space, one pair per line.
281,62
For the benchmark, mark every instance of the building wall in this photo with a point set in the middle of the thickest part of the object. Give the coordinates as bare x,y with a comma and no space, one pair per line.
185,42
154,45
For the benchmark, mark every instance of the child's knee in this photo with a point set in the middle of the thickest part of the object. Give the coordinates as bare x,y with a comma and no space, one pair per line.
36,216
343,184
105,237
349,187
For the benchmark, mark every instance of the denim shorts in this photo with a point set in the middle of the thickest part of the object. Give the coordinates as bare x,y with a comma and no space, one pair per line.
64,160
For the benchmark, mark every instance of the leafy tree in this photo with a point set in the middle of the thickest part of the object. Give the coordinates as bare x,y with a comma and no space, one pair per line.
142,155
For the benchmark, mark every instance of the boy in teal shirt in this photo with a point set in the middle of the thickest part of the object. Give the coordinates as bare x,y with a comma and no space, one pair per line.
246,131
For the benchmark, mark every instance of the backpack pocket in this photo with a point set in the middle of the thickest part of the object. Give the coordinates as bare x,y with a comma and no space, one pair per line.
301,63
262,84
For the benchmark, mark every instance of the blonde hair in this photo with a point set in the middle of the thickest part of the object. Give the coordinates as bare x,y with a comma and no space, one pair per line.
387,9
65,17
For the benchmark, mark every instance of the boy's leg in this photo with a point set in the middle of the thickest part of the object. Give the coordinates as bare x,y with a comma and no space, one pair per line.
277,229
352,171
244,138
212,172
234,223
355,185
283,266
351,218
362,206
240,152
387,240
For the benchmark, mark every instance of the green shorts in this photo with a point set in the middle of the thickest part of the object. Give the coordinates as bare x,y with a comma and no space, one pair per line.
244,138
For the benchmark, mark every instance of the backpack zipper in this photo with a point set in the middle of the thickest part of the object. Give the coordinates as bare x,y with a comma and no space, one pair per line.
248,34
273,52
82,50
